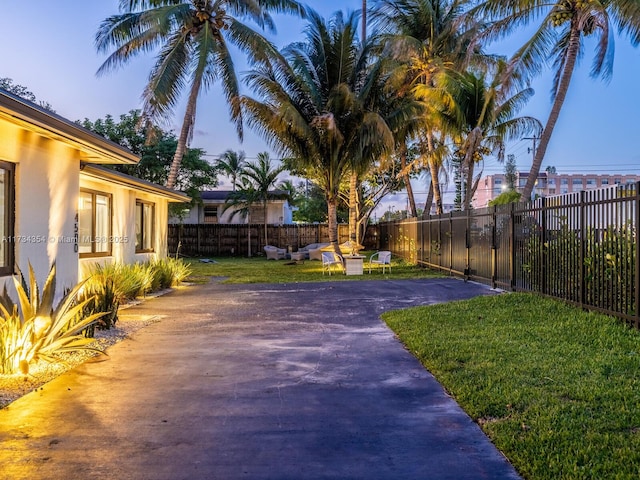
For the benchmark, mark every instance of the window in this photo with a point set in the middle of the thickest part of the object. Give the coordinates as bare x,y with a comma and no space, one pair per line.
604,181
6,218
552,182
591,183
210,214
94,224
564,181
145,216
617,181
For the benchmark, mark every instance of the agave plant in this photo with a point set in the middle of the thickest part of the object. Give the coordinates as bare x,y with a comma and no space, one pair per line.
33,330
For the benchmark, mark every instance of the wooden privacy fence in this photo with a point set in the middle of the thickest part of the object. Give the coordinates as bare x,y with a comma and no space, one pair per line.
224,240
581,247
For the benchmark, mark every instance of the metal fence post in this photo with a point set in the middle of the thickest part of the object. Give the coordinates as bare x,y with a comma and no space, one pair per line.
636,290
583,246
543,267
512,247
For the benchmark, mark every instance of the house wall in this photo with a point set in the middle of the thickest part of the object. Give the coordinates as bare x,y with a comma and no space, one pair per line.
123,224
278,212
46,180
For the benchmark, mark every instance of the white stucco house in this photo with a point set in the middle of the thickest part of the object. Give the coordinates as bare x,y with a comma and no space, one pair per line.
212,210
58,203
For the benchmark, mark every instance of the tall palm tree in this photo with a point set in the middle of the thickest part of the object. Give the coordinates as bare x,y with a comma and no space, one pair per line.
263,176
308,108
193,37
232,164
483,116
425,37
562,28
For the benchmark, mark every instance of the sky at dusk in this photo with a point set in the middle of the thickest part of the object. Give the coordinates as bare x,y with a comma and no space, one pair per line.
48,47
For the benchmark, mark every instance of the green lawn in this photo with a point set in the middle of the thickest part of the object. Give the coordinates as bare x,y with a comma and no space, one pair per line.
555,388
261,270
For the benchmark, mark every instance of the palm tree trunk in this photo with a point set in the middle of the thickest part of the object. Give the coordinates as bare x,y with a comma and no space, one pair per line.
248,235
429,202
407,181
563,87
433,168
353,207
364,21
332,220
185,132
264,204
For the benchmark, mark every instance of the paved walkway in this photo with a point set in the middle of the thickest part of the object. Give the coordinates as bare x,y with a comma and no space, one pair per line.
298,381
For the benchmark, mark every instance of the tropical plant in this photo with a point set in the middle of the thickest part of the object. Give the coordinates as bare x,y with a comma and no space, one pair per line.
194,38
33,330
426,39
263,176
482,117
168,272
562,28
231,164
309,106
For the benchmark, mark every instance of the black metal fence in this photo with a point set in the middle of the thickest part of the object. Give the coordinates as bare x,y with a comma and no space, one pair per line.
581,247
235,239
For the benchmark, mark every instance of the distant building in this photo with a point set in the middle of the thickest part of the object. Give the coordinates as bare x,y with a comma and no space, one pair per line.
547,185
212,210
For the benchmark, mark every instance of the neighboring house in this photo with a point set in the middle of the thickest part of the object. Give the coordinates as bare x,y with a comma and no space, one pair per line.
58,205
548,184
212,210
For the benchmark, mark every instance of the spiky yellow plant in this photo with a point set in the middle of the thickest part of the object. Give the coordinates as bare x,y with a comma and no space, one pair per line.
33,330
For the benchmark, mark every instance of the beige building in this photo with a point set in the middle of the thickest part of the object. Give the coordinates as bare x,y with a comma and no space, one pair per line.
548,184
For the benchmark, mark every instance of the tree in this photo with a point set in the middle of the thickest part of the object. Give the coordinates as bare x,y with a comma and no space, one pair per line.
482,116
21,91
231,164
561,30
425,37
307,109
262,177
195,174
194,38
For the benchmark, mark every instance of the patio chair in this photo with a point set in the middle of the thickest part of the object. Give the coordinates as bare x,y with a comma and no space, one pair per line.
383,258
275,253
329,259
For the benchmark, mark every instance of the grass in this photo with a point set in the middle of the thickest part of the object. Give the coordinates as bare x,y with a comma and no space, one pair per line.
555,388
260,270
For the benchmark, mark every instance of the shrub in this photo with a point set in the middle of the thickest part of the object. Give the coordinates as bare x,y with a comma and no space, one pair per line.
36,331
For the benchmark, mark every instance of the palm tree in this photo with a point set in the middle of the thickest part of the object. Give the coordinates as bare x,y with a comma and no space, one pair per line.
485,111
241,201
562,28
194,38
425,37
232,164
310,106
262,177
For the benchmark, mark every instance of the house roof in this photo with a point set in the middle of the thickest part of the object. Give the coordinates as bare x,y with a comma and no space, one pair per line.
222,195
93,148
112,176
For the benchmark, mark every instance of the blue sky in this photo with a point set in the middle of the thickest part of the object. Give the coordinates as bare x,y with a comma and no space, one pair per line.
48,47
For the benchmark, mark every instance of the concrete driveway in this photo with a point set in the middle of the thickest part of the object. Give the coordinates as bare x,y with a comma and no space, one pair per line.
297,381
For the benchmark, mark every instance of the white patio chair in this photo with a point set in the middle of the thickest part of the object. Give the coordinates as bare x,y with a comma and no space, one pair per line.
329,259
383,258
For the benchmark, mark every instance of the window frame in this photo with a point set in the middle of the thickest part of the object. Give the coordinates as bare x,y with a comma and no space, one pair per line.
93,252
142,203
9,218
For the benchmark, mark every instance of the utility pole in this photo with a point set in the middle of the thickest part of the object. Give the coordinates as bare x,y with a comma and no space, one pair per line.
533,150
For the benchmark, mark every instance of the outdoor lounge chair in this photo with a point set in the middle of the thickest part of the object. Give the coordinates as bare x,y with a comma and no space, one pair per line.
383,258
275,253
329,259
